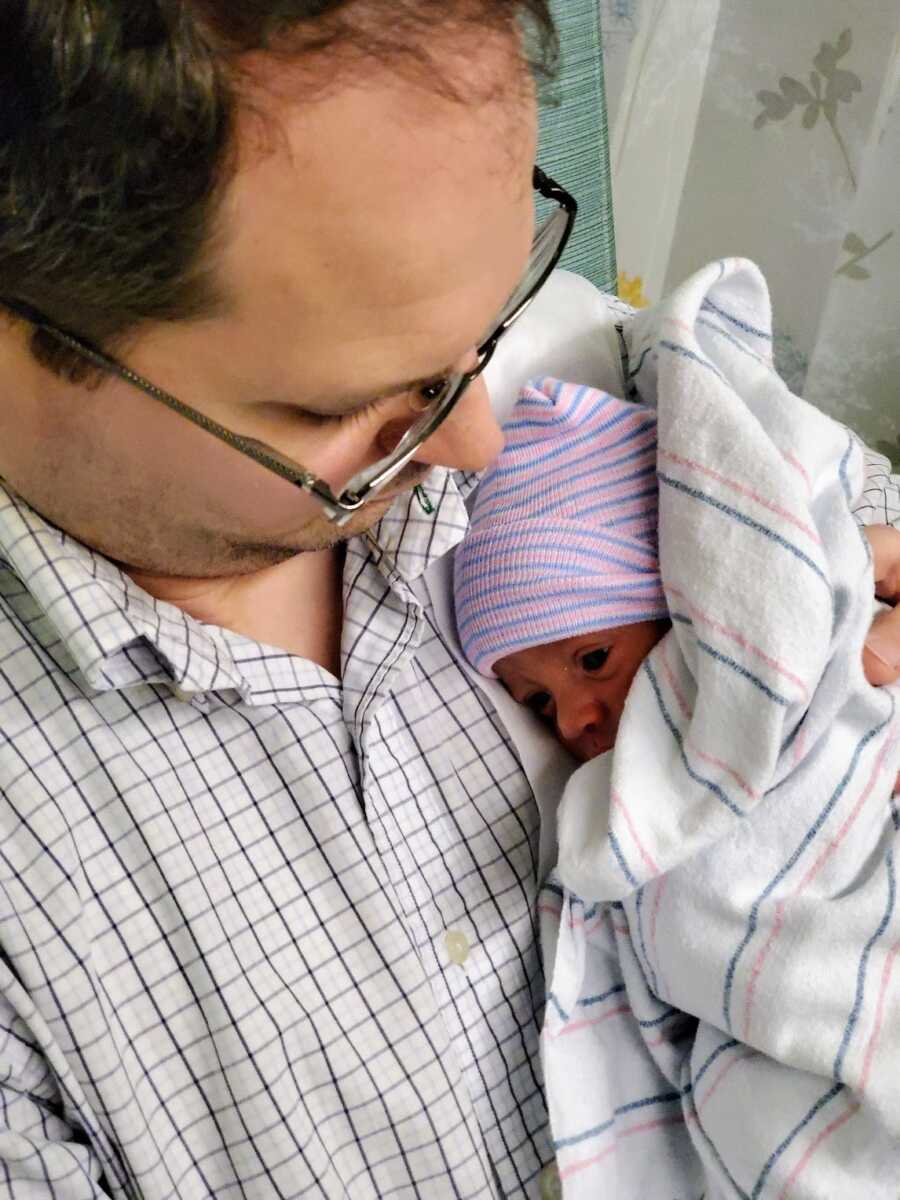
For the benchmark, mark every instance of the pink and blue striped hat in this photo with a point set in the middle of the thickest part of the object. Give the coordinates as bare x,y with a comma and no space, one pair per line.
563,536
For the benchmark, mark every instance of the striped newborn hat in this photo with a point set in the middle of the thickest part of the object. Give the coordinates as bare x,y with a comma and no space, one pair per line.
563,537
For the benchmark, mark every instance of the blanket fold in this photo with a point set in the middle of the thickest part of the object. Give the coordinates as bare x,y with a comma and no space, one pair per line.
738,845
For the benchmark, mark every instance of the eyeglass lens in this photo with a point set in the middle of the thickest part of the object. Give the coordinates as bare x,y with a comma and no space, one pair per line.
544,248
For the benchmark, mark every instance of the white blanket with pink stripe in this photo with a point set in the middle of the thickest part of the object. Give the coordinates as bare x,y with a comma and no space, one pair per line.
723,1015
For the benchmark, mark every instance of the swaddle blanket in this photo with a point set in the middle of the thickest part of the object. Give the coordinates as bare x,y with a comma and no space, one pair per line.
723,1012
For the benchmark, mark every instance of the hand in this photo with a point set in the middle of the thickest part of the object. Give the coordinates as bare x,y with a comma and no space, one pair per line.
881,654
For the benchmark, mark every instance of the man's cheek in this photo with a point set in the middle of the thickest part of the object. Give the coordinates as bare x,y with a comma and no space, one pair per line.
185,466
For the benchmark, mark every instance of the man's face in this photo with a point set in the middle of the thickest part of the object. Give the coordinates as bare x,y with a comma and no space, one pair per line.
579,685
367,241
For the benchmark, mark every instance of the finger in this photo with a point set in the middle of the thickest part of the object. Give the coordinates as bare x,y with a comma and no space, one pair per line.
881,654
885,543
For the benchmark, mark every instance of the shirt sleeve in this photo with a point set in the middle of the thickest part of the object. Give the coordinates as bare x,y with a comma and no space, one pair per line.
42,1155
880,501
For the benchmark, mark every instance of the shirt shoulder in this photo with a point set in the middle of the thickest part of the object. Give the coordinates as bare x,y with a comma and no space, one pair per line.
879,503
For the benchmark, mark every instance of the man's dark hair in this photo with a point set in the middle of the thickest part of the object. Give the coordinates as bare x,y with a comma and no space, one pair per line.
116,119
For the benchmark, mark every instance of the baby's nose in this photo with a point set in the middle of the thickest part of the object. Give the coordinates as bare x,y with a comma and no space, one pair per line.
579,714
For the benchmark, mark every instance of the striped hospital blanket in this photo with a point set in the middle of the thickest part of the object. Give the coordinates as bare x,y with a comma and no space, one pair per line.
723,1014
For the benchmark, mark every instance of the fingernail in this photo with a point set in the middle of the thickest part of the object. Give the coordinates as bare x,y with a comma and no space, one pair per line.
884,648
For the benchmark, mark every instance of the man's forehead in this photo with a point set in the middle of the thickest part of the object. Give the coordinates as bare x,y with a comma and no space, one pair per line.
449,64
380,239
379,128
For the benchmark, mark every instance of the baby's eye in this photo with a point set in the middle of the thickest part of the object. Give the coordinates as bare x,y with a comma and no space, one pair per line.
594,660
538,702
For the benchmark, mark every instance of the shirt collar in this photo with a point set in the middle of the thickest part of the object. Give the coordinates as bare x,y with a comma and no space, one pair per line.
118,635
420,528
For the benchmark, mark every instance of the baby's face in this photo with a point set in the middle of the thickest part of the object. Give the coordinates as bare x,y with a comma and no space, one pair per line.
578,685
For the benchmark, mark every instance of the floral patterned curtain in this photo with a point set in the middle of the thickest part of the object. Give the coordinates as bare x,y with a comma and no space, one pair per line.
770,130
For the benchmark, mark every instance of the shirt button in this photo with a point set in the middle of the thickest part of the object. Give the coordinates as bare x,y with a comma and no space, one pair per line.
186,697
457,946
551,1186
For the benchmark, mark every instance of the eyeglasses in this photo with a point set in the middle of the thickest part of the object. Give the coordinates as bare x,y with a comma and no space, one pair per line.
437,399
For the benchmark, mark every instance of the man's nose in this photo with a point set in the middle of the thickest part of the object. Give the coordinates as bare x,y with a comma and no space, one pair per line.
469,438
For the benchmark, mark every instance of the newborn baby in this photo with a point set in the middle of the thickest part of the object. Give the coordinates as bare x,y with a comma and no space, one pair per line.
720,936
558,591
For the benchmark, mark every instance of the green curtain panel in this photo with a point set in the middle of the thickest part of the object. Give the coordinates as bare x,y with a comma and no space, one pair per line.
574,142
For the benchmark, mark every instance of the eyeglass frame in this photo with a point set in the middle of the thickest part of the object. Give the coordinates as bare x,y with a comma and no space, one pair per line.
339,509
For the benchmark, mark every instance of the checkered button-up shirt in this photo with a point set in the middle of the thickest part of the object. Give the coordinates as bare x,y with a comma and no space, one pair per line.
880,501
264,934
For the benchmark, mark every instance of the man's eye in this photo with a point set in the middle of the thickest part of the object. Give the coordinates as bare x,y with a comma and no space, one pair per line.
429,392
594,660
325,420
538,703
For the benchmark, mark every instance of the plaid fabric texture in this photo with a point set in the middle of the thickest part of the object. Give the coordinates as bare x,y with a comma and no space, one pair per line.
263,935
880,503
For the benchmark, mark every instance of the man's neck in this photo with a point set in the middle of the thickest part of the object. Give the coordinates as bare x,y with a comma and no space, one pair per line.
296,606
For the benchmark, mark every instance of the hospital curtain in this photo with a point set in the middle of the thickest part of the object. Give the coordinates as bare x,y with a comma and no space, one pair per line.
770,130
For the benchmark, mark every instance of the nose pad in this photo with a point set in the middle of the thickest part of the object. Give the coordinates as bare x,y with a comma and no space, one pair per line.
393,430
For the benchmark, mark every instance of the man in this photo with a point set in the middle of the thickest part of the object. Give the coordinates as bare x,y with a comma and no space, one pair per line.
269,859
